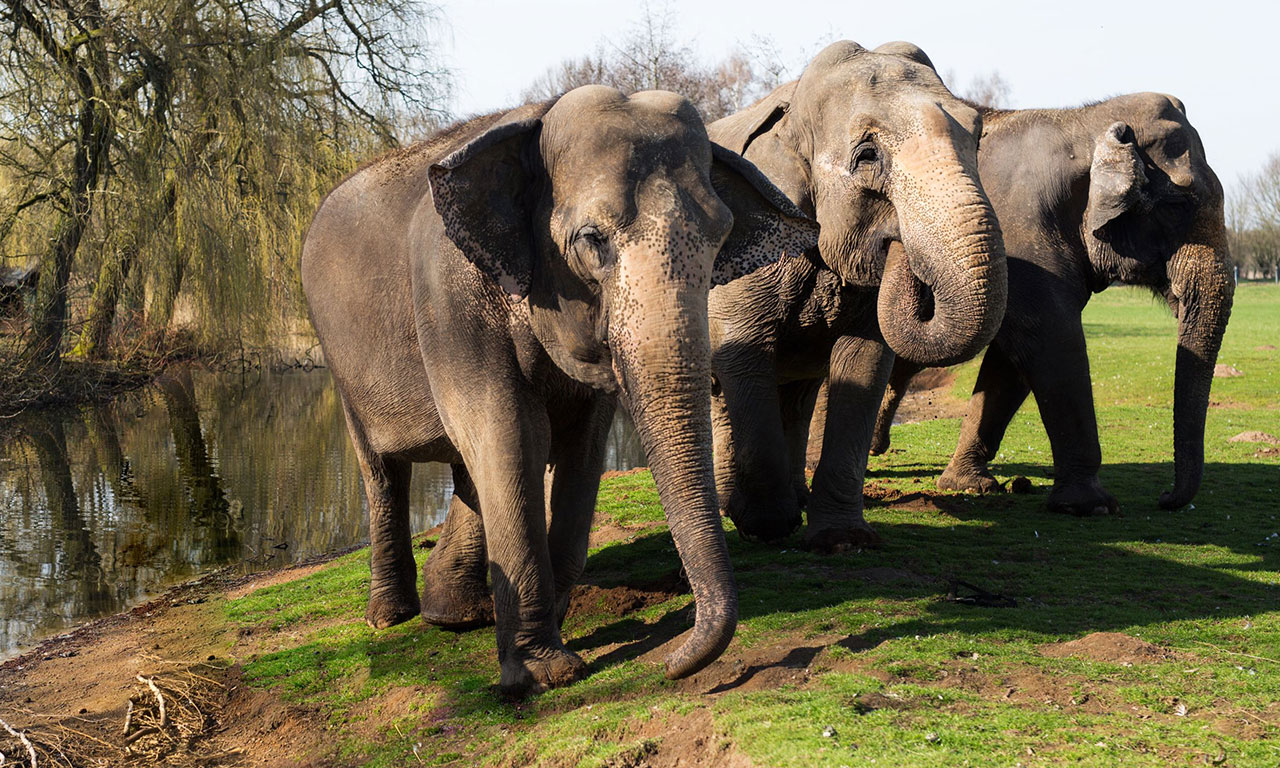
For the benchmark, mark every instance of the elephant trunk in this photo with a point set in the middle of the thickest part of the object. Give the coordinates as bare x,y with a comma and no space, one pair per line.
1202,288
943,295
661,353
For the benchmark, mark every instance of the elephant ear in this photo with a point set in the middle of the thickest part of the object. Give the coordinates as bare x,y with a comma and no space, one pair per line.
1116,179
737,131
766,225
480,190
907,51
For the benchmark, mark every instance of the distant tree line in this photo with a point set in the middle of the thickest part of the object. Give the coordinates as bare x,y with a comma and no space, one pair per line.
1253,220
152,149
651,57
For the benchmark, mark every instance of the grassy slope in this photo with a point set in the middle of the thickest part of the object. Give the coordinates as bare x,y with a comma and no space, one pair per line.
878,655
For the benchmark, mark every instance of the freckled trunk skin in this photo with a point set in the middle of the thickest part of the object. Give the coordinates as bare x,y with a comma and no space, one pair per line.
1202,283
662,358
951,242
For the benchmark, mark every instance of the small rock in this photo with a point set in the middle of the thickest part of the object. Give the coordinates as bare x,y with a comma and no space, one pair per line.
932,737
829,732
1224,371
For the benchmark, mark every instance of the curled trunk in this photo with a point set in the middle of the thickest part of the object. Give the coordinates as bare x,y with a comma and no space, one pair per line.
1202,289
945,285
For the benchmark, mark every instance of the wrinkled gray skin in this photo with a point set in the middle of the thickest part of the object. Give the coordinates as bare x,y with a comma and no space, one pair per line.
873,145
483,297
1117,191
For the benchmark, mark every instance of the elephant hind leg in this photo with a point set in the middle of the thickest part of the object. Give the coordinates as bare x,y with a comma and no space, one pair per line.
393,589
997,395
455,590
899,381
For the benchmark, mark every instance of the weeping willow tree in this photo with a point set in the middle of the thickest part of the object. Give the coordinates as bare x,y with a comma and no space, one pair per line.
163,157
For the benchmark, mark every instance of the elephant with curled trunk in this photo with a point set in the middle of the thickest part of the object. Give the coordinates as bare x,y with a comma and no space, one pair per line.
1113,192
484,297
909,259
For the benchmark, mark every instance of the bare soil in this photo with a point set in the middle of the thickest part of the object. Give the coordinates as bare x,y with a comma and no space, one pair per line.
929,397
72,694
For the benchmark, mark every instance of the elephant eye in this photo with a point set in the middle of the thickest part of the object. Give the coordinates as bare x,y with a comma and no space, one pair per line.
865,154
590,236
592,247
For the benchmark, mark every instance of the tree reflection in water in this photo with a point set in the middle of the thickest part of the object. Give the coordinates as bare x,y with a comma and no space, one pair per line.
102,506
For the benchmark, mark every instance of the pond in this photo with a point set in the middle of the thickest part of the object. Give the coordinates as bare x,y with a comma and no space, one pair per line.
102,507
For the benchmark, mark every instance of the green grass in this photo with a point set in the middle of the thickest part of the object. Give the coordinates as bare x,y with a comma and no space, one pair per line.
903,677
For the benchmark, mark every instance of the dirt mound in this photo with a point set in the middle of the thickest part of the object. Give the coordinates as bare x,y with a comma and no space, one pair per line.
1254,436
1224,371
622,600
1112,647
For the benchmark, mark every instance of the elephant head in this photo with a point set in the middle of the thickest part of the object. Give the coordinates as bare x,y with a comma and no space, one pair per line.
874,146
613,216
1154,217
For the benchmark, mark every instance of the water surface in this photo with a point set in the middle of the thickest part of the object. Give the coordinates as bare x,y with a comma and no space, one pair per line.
101,507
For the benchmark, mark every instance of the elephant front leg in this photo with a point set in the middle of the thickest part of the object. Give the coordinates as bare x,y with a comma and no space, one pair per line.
506,456
761,499
859,369
393,590
899,381
577,456
455,592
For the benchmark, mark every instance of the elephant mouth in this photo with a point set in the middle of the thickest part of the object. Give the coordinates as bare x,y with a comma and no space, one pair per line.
917,299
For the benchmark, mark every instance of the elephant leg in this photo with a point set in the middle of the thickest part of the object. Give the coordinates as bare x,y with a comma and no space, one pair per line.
722,447
859,369
577,457
817,429
798,399
899,380
762,503
997,395
506,455
1064,393
455,592
393,589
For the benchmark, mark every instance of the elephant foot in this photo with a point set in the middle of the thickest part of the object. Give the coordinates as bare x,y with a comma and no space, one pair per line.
389,609
761,522
1083,499
838,539
456,609
529,671
974,480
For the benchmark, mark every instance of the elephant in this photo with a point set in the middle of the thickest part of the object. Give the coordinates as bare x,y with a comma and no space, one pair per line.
909,259
1117,191
485,298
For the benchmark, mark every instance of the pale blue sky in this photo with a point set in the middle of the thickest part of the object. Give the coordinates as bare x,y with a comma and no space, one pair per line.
1220,58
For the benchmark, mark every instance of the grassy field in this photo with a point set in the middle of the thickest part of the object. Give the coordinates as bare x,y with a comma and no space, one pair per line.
860,659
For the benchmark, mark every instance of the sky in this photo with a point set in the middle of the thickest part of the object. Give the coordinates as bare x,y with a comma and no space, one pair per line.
1221,57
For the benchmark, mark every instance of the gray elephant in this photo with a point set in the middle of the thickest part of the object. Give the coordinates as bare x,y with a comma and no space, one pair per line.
484,297
1113,192
874,146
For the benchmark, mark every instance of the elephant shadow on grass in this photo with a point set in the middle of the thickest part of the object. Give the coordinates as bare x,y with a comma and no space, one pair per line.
1070,576
1139,571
